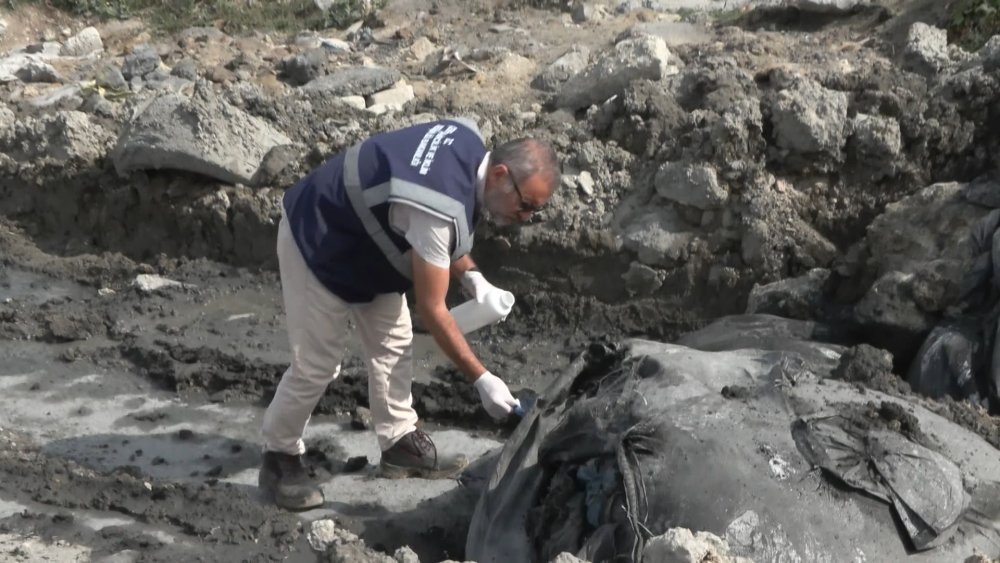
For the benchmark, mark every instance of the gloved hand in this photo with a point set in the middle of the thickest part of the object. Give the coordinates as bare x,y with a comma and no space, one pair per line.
474,285
495,395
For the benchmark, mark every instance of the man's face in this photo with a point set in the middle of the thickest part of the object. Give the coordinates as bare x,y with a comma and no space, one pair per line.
511,200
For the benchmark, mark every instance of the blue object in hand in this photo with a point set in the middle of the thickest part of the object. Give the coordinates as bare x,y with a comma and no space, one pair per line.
524,406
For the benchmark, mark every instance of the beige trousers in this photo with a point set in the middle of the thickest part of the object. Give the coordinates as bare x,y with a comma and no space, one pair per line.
318,334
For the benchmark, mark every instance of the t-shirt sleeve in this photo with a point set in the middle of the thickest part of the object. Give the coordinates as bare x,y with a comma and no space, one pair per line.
430,236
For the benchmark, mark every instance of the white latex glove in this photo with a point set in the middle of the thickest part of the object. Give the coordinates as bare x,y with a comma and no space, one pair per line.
495,395
474,285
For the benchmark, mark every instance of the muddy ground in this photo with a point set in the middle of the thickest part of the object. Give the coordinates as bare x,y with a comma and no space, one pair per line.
130,417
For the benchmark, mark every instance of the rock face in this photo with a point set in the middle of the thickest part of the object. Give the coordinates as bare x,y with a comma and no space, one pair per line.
638,58
201,134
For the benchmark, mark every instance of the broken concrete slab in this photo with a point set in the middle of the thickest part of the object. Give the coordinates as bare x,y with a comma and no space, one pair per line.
87,42
696,185
809,118
353,81
201,134
631,59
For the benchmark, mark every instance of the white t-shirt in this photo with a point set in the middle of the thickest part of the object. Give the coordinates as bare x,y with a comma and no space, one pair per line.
431,236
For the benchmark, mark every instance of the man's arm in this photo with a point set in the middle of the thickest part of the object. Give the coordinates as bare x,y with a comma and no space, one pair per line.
430,285
462,265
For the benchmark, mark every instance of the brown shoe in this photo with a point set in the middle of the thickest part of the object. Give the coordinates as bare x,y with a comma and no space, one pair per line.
415,455
285,479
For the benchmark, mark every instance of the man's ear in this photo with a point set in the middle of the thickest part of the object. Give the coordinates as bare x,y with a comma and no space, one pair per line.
497,172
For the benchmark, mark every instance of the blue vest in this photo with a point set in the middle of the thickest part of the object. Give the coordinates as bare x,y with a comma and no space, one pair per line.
339,213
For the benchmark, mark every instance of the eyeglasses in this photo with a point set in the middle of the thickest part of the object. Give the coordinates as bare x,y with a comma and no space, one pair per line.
525,206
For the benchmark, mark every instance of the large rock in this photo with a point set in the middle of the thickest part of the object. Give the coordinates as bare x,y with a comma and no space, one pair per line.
926,50
696,185
635,58
809,118
659,237
562,69
354,81
201,134
86,42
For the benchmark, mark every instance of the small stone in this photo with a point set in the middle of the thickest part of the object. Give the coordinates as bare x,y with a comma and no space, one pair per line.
362,419
335,45
354,101
185,434
421,49
585,182
405,555
148,283
322,534
392,99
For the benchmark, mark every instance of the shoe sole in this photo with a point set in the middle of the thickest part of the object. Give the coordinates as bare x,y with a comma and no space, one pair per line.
390,471
269,490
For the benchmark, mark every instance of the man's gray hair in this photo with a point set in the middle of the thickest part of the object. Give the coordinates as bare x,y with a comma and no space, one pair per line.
526,157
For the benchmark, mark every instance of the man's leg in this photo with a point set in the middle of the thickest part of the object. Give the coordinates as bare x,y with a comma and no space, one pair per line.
387,337
317,335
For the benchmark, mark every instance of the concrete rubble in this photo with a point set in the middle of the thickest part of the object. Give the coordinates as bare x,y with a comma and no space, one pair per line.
845,170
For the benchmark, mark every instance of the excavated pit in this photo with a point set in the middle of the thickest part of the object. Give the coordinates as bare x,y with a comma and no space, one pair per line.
132,417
